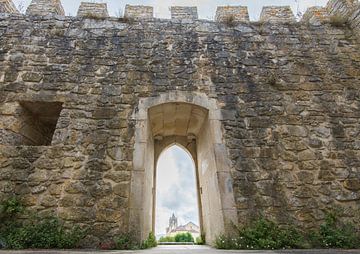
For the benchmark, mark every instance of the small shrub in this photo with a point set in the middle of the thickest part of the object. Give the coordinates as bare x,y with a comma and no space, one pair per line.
150,242
35,232
10,208
200,240
90,15
338,21
335,234
184,238
126,241
167,239
262,234
230,21
107,245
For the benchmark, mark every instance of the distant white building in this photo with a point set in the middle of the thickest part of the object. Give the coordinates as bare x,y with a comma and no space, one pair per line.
189,227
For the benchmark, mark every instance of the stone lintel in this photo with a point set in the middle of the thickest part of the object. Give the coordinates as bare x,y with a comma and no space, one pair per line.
139,12
277,14
233,13
184,12
45,7
93,10
7,6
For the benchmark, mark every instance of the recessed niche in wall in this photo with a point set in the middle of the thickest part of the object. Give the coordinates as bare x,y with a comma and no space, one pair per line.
38,122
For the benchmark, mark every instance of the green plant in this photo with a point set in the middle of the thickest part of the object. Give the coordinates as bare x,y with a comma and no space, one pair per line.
338,21
184,238
10,208
200,240
230,21
126,241
167,239
262,234
150,242
335,234
95,16
35,232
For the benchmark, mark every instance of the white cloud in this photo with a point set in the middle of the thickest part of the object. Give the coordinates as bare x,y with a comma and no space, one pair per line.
176,189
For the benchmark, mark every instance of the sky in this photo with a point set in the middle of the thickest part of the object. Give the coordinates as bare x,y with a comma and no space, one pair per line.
206,8
175,189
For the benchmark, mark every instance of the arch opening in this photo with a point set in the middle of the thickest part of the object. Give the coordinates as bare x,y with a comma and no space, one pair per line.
177,198
193,122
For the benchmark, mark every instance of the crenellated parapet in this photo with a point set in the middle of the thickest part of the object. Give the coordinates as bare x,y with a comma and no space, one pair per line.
45,7
280,14
234,13
139,12
346,12
184,12
93,10
7,6
316,15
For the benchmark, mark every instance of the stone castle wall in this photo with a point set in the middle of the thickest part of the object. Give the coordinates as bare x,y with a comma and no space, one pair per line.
288,93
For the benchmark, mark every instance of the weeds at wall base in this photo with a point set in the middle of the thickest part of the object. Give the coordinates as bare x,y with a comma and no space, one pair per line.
266,234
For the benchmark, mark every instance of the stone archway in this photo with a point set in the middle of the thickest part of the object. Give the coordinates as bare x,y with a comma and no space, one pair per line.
194,122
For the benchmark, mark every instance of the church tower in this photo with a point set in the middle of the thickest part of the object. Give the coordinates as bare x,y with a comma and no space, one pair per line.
173,223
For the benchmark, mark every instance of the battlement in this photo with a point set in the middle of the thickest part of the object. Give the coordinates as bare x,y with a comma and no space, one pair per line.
316,15
98,10
180,12
346,10
139,12
45,7
7,6
236,13
277,14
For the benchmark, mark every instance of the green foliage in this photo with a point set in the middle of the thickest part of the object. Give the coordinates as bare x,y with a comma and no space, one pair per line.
184,238
266,234
35,232
335,234
127,241
338,21
200,240
150,242
262,234
10,208
167,239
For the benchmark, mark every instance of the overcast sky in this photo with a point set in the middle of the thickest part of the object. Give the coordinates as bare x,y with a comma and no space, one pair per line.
176,189
206,8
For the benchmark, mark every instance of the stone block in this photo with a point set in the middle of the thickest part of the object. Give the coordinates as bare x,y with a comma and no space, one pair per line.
277,14
93,10
184,12
7,6
232,13
139,12
45,7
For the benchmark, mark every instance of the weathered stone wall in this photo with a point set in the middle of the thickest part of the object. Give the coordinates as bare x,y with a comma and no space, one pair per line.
288,96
